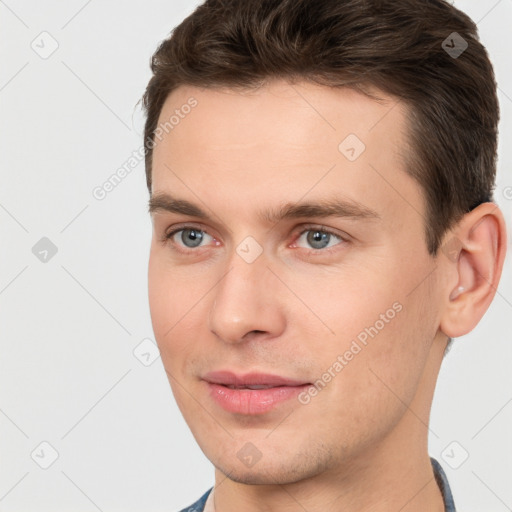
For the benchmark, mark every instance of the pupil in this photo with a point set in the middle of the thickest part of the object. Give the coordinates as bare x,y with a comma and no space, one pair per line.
194,236
318,237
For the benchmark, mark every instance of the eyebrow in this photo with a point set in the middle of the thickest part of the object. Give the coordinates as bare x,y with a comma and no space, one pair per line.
329,207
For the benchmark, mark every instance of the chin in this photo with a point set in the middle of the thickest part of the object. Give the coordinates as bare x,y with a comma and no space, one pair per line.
250,478
253,477
271,472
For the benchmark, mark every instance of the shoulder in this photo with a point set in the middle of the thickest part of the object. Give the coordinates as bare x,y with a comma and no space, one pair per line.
198,506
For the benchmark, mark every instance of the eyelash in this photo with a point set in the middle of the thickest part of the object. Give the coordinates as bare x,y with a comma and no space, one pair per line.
168,236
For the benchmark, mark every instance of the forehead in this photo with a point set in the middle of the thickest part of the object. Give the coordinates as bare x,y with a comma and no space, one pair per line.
284,140
270,114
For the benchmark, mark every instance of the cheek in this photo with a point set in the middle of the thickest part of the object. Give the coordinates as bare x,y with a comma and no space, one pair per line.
167,308
372,385
380,339
387,361
167,304
178,304
160,298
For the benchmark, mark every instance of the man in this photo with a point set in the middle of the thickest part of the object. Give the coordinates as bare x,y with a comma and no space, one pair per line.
320,178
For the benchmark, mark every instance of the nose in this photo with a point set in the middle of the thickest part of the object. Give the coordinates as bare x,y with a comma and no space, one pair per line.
246,304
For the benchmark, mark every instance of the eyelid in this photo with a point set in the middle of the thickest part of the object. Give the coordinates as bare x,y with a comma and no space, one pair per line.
179,227
324,229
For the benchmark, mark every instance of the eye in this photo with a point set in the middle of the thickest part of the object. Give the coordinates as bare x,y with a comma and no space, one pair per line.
190,237
320,238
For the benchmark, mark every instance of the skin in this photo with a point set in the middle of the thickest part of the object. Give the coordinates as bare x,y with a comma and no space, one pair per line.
361,443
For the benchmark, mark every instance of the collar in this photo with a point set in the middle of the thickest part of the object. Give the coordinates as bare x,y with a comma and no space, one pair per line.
444,486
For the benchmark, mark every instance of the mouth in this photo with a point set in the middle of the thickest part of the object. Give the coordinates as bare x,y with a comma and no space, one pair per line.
251,394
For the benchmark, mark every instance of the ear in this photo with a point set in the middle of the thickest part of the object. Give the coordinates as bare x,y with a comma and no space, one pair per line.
475,252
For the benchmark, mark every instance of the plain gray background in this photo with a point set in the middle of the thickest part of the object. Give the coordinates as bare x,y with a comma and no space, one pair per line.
73,373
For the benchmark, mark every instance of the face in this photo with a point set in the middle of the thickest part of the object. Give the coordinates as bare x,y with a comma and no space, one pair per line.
293,300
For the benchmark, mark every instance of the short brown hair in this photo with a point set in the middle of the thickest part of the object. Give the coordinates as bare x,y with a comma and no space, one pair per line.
398,47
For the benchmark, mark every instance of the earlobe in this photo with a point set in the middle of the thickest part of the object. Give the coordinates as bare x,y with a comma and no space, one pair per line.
477,269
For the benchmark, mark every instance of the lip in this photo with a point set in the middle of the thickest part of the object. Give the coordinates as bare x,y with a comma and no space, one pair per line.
229,391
